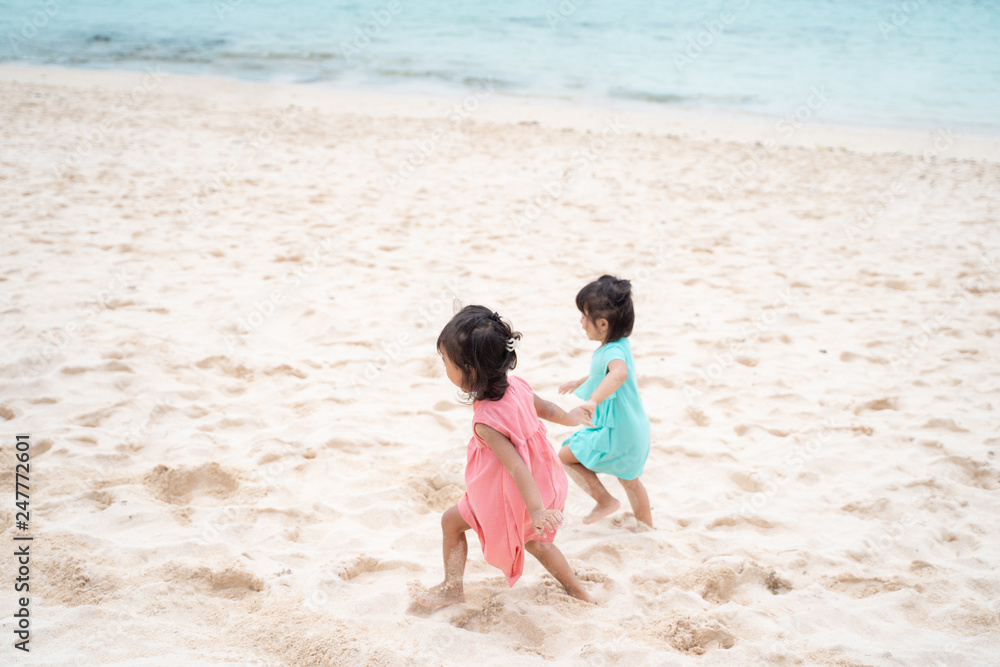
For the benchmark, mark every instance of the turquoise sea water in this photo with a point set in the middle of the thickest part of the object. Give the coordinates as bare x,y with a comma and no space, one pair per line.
917,63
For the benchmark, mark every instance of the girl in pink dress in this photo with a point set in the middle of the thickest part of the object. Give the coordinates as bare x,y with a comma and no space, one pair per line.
515,484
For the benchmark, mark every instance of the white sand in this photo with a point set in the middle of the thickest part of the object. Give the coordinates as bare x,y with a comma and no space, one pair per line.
219,326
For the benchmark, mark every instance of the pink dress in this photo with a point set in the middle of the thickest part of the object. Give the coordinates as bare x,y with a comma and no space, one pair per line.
492,505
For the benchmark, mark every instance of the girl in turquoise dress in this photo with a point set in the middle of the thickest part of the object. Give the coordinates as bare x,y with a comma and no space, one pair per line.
618,444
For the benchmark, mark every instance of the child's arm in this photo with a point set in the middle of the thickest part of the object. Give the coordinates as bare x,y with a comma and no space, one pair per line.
617,374
544,520
551,412
567,387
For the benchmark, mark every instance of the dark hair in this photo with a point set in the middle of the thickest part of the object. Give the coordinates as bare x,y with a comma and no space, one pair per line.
476,341
610,298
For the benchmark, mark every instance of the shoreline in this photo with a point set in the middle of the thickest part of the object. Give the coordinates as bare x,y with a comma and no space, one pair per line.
702,125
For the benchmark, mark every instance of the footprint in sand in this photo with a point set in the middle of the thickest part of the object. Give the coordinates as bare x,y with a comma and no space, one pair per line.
494,616
735,520
356,566
103,499
602,551
285,369
698,416
718,580
230,582
40,447
177,485
225,423
860,587
225,365
687,633
436,492
880,508
647,381
95,418
889,403
74,581
748,481
341,444
427,367
44,400
444,422
947,424
970,472
743,429
359,565
113,365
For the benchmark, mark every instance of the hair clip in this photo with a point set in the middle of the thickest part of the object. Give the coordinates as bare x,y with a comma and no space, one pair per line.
512,343
495,316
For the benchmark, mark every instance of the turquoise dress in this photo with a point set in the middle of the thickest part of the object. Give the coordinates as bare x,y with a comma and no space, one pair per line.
619,443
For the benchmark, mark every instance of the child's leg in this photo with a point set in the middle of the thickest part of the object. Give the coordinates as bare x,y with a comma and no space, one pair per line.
553,560
587,479
639,499
455,548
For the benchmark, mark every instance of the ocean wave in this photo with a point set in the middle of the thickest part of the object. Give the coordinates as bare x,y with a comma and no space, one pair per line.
934,65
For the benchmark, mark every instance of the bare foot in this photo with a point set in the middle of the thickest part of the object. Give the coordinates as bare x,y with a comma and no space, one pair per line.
440,596
602,510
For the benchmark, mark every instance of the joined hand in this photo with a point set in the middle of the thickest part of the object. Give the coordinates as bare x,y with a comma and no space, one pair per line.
581,416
